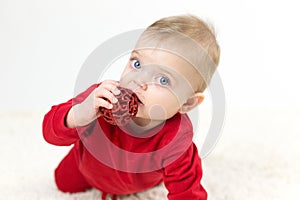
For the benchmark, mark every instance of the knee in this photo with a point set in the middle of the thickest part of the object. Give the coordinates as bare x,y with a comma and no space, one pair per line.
61,182
68,182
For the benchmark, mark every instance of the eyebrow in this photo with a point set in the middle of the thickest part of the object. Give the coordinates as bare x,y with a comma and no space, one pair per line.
136,52
168,73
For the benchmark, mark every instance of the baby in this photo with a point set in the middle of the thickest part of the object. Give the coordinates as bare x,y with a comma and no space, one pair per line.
168,70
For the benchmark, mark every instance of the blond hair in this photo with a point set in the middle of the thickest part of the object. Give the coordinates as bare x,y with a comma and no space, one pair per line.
199,31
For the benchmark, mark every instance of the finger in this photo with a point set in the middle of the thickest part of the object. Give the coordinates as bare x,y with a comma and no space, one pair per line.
100,102
113,82
106,94
110,87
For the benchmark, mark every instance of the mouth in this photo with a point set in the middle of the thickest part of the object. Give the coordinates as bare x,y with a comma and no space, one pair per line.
139,100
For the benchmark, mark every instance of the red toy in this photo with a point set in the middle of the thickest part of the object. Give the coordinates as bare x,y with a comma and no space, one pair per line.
124,110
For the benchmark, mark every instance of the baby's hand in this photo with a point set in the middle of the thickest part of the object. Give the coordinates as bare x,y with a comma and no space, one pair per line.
84,113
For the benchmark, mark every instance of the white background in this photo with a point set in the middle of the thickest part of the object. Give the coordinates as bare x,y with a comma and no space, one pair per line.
44,43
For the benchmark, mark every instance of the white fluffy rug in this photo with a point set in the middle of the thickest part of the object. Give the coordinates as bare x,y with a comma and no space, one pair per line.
257,158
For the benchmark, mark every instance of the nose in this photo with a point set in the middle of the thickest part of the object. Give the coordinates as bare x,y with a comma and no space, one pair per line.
141,85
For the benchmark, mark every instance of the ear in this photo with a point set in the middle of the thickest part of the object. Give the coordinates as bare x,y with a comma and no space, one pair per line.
192,102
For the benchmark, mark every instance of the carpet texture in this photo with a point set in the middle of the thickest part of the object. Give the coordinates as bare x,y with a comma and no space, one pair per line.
256,158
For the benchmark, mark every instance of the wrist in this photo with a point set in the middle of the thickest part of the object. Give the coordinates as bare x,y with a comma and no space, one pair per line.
76,117
70,121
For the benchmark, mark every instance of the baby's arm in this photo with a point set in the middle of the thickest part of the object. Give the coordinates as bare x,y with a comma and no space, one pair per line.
55,128
182,177
87,111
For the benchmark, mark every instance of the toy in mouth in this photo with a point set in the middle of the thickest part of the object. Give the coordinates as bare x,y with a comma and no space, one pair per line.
124,110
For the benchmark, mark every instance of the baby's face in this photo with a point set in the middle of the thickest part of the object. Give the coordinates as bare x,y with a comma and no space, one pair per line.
162,81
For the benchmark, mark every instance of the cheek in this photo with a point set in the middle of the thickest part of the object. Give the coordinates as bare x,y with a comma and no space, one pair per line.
162,104
165,99
172,107
166,94
161,111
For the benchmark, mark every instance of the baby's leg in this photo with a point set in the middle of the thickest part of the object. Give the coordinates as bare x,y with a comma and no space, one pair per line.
67,176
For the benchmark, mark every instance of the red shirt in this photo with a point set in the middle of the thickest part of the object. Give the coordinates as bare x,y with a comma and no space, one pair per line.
117,162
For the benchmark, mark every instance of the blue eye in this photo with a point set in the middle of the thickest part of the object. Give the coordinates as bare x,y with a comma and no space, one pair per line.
164,80
136,64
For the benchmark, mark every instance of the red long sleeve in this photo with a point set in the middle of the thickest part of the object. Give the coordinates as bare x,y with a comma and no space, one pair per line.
182,177
55,130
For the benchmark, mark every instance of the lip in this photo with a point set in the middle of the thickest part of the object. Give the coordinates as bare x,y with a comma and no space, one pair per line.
141,103
139,99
